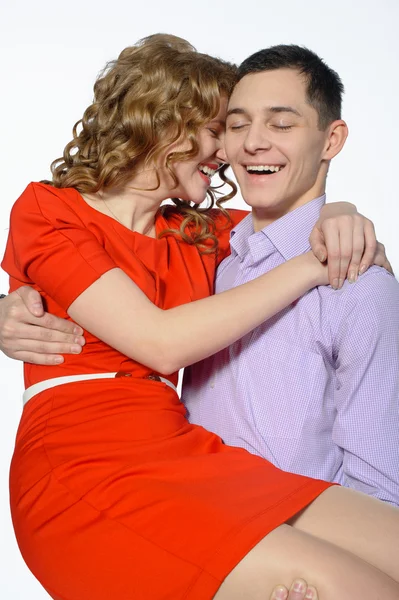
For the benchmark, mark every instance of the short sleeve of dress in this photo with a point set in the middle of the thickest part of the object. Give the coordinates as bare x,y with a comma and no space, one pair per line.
49,246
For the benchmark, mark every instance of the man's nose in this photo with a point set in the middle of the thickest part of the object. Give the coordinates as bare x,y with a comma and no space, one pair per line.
257,139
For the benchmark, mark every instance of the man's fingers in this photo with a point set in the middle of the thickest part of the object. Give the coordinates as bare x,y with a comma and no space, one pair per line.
16,332
48,321
311,593
280,592
299,590
39,359
32,300
39,347
52,322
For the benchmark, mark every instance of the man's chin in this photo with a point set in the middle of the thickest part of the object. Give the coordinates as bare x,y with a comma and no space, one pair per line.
262,202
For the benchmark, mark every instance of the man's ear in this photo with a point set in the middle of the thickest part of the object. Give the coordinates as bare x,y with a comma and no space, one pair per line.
336,137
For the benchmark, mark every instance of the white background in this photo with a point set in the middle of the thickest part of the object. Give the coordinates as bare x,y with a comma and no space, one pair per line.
51,53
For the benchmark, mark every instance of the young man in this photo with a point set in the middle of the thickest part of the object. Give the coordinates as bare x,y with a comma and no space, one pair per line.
315,390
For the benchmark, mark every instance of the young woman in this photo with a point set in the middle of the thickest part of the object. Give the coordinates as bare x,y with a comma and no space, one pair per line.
113,493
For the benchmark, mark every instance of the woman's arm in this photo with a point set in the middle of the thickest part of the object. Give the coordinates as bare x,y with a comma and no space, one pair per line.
28,333
115,310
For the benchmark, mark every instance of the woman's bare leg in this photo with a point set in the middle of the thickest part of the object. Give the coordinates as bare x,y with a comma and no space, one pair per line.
286,553
358,523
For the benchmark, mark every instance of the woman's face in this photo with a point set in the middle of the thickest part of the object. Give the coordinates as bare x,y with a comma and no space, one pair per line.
194,175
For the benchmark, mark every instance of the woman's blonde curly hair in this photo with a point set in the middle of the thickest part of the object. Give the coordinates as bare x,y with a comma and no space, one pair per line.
157,92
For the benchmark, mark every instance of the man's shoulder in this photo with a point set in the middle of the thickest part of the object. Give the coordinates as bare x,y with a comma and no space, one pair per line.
372,303
376,284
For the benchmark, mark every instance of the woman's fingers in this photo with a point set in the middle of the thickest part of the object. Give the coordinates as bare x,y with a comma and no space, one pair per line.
358,247
370,246
332,240
380,258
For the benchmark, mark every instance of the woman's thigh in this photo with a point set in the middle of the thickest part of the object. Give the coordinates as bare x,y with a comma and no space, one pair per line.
286,553
358,523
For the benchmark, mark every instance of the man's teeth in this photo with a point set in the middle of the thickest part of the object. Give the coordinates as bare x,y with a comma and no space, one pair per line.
207,170
263,168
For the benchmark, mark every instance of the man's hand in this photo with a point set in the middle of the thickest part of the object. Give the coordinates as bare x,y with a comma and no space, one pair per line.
348,241
299,590
28,333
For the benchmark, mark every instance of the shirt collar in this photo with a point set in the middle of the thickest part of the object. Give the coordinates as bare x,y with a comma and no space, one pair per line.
289,235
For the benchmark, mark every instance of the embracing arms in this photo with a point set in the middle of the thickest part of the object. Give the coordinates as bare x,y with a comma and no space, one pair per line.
28,333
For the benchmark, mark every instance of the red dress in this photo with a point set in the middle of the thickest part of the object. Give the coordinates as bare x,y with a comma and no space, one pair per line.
114,494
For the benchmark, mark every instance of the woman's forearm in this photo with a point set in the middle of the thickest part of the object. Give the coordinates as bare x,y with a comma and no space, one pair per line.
206,326
116,310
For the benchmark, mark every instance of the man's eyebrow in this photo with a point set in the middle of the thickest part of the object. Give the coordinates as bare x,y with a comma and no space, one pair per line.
280,109
235,111
272,109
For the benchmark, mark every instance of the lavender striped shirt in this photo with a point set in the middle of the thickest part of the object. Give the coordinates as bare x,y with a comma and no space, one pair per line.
315,389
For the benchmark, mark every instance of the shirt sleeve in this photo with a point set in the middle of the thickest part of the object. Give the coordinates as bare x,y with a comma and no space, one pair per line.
367,386
50,247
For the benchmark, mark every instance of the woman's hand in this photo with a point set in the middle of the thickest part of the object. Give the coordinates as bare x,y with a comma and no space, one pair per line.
28,333
348,241
299,590
314,269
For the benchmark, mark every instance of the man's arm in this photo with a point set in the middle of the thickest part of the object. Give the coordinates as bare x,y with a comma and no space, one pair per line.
366,347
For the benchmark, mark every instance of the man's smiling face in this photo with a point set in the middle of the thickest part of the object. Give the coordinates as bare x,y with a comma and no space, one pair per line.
274,144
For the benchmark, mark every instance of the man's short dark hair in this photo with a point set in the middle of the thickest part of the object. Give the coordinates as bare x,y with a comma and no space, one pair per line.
324,86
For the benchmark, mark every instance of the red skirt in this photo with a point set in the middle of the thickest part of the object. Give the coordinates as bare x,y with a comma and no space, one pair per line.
115,495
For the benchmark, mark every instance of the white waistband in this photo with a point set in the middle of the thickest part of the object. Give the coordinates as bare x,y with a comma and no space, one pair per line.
50,383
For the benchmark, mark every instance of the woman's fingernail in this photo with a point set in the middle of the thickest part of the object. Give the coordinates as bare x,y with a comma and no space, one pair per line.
340,283
362,269
309,595
322,257
352,277
335,284
58,360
